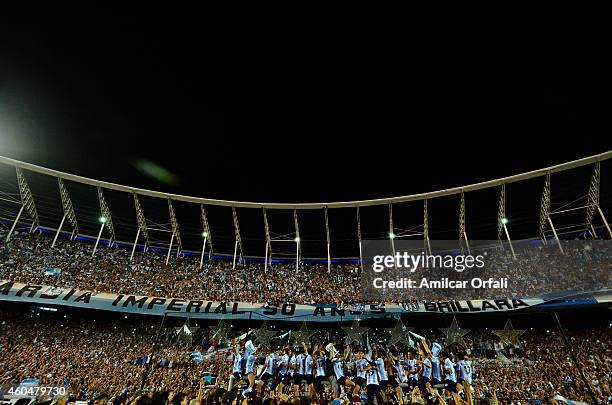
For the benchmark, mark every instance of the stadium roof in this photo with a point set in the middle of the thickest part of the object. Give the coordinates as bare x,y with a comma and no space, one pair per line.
402,215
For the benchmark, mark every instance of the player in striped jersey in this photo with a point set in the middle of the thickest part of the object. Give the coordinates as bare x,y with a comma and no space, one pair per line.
360,374
413,370
373,383
236,376
249,354
320,371
450,375
285,372
396,373
379,356
337,361
466,370
298,374
426,367
436,371
268,372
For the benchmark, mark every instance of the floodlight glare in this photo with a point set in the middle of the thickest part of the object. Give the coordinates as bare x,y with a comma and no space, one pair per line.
103,219
504,221
391,235
297,239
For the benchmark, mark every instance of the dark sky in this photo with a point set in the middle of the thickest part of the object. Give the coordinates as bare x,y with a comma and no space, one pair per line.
298,113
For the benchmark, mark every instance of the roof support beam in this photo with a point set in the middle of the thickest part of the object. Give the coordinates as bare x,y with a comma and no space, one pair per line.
206,234
426,227
359,239
27,200
176,233
502,220
545,219
105,220
68,212
298,249
392,233
238,243
268,255
462,233
328,241
593,201
142,226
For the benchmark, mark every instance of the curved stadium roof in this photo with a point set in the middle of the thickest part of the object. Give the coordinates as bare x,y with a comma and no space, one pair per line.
570,191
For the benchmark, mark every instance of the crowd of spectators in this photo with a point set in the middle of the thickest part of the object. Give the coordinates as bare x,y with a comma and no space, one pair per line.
537,269
96,358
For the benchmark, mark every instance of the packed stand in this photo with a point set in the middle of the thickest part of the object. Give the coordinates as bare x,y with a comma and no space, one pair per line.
27,257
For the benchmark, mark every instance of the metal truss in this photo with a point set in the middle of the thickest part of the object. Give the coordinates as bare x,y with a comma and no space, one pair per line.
545,213
27,203
328,241
501,211
426,227
593,198
462,233
359,239
545,208
298,248
27,200
391,229
502,220
68,212
142,226
106,221
238,243
207,235
268,241
176,232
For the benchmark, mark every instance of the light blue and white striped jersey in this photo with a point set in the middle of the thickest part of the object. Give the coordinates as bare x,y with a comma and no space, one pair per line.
372,375
360,366
382,371
412,368
338,371
435,369
466,370
250,363
449,367
308,365
284,364
237,363
427,368
271,363
300,363
293,363
321,360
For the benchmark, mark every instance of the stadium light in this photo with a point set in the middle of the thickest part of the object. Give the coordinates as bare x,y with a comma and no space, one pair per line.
103,219
504,221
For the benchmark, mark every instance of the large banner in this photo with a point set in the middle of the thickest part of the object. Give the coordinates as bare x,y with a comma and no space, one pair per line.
195,308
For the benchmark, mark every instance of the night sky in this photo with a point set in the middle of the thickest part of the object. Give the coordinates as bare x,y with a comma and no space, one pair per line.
253,113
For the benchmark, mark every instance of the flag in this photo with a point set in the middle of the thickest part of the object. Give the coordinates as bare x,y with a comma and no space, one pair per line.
422,340
53,271
568,402
197,356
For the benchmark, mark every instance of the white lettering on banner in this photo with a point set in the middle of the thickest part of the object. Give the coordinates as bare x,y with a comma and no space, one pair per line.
41,294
